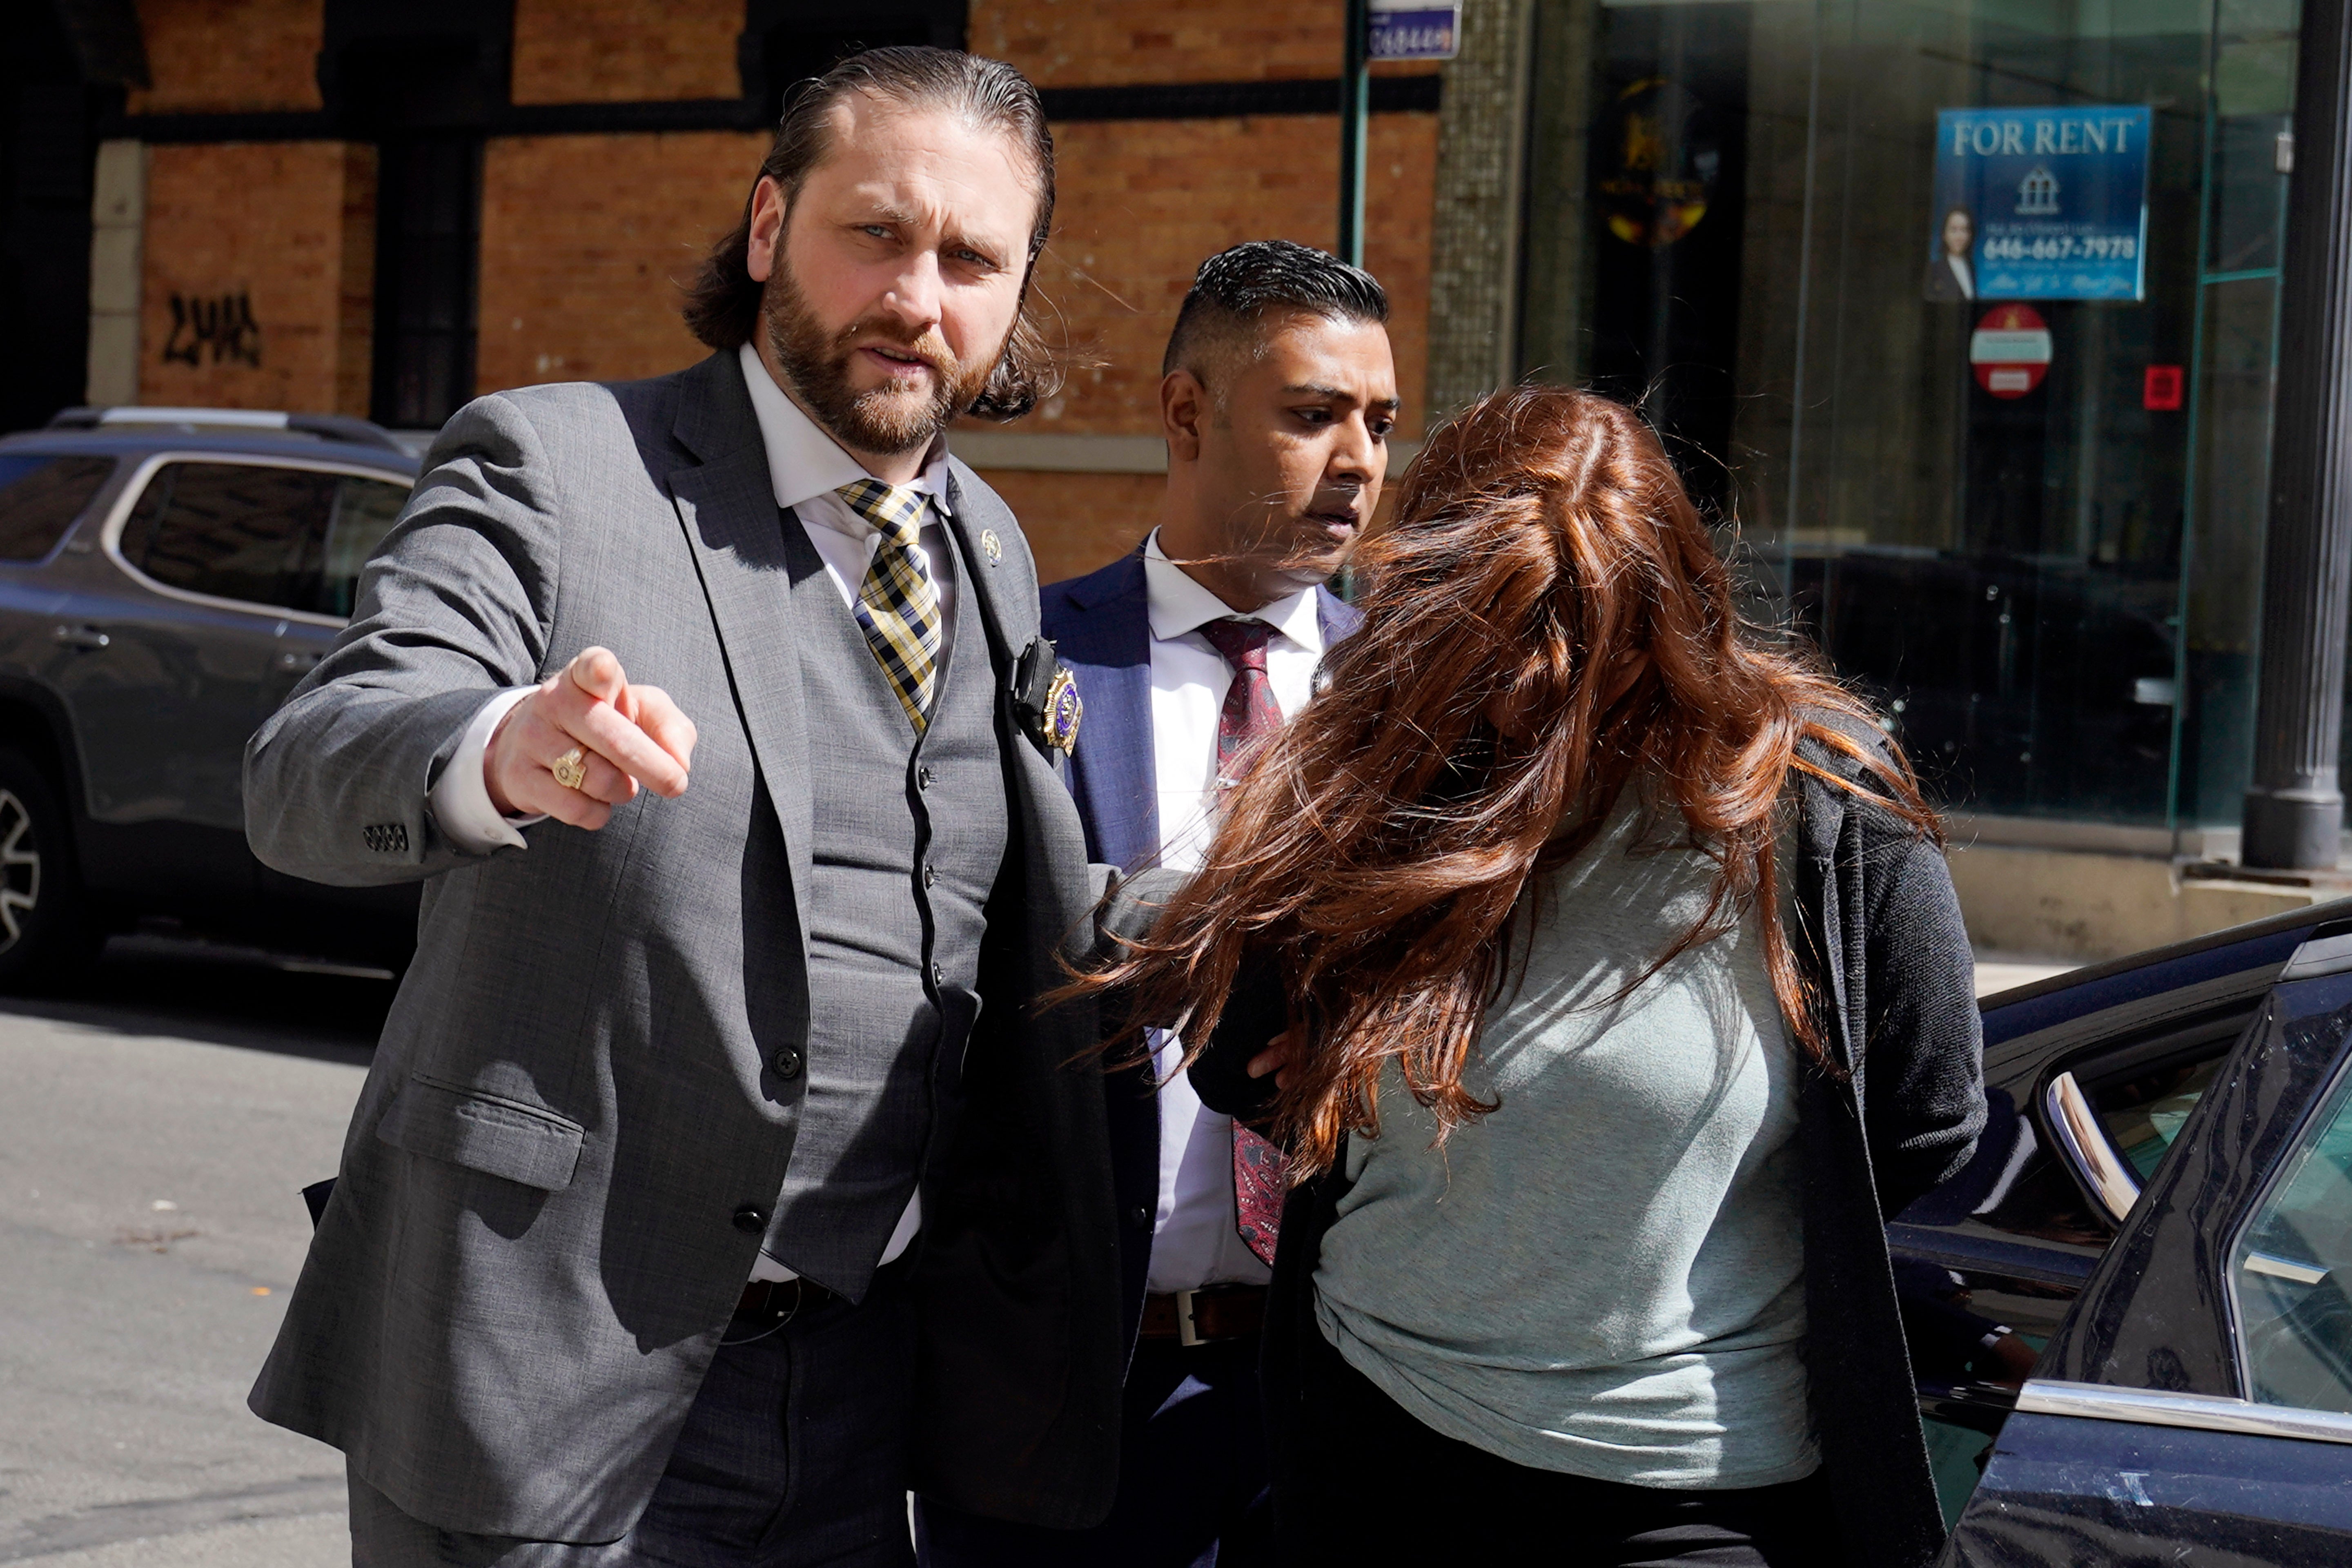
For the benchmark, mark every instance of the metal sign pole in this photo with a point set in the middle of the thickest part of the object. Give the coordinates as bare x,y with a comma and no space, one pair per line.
1354,121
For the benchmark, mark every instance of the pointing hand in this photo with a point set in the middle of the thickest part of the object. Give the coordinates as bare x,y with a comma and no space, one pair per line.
626,736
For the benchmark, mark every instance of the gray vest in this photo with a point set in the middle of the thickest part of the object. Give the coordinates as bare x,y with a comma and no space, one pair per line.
909,835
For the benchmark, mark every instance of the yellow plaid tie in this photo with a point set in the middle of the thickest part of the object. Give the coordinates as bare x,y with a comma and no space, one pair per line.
898,604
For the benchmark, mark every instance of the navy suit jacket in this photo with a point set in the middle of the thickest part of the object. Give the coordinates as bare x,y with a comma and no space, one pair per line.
1101,627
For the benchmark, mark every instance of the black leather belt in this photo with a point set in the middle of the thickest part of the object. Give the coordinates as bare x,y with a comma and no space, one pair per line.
1205,1316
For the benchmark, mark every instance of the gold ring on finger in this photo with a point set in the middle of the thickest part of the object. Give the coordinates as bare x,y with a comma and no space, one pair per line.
571,769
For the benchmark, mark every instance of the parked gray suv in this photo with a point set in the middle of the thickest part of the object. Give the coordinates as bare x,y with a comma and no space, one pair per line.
166,575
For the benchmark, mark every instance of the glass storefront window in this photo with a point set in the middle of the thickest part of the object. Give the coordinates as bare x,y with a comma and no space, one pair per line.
1963,318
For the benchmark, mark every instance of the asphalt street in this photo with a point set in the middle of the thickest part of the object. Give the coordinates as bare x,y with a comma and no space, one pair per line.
156,1128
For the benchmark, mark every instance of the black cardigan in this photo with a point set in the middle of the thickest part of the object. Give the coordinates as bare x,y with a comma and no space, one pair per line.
1875,922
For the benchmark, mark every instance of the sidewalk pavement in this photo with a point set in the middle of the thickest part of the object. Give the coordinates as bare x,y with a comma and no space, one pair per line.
2006,971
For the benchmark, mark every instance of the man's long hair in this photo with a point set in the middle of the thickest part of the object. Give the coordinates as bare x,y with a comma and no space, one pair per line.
722,302
1479,728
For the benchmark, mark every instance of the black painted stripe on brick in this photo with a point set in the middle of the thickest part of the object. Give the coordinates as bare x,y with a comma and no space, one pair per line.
1068,105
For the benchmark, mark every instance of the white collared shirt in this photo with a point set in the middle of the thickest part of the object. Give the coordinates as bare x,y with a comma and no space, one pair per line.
807,468
1194,1241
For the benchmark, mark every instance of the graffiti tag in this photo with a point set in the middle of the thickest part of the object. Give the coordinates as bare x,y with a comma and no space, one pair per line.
223,325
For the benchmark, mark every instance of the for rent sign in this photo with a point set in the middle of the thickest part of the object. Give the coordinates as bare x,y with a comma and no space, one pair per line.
2039,204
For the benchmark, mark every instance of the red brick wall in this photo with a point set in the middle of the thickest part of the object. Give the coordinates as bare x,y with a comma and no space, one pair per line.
1143,202
1093,43
584,237
585,240
1100,43
258,239
1075,523
226,55
601,51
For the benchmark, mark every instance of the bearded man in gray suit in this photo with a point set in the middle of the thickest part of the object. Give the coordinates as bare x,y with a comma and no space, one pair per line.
715,1181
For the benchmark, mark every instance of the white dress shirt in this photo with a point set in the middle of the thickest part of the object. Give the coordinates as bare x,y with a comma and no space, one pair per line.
1194,1239
806,467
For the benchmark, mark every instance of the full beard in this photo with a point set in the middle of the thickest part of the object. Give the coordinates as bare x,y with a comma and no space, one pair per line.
884,420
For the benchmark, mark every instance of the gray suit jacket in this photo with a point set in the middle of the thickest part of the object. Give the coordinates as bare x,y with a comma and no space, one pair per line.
530,1253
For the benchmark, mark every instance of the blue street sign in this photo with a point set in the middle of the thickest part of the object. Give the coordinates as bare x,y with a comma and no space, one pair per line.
1414,30
2039,204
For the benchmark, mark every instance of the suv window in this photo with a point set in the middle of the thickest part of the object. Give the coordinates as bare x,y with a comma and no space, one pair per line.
2291,1268
40,496
234,530
288,538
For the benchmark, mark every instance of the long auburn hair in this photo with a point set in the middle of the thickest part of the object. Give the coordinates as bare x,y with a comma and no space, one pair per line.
1479,728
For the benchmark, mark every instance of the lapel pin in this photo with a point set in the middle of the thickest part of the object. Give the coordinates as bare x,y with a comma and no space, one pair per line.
992,546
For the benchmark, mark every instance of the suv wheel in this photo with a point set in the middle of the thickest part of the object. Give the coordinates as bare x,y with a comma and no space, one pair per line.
45,933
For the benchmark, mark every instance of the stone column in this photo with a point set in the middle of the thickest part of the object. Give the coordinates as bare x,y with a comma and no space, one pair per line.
1474,239
2295,808
117,215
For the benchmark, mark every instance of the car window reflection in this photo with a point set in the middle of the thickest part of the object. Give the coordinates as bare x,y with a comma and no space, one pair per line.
2144,1115
2290,1267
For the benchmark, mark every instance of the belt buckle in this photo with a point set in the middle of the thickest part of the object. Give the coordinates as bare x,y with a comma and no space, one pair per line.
1186,1334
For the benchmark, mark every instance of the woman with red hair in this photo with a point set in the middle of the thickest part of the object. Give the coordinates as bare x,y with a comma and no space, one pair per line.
1593,956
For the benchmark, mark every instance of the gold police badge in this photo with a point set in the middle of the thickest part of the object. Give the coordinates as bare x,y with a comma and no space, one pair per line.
1064,709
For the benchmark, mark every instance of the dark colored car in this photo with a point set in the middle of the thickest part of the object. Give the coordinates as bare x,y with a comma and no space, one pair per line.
2161,1207
166,577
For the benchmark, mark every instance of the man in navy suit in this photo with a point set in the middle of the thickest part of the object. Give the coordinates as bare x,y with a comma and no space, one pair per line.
1276,398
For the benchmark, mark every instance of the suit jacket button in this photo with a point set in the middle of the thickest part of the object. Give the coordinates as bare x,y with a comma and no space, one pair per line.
752,1217
922,778
786,1062
1139,1217
930,874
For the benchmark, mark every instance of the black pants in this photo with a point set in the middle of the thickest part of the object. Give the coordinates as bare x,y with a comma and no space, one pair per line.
1191,1479
1371,1485
793,1455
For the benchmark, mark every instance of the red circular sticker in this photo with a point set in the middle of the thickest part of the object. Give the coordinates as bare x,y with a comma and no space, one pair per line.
2009,350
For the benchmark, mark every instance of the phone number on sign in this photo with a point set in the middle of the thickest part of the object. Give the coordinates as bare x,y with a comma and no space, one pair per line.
2065,248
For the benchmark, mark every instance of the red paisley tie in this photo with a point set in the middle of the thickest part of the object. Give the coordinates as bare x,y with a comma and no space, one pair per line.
1250,716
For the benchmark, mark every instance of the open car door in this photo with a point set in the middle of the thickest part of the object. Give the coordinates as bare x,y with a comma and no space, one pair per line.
2195,1406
